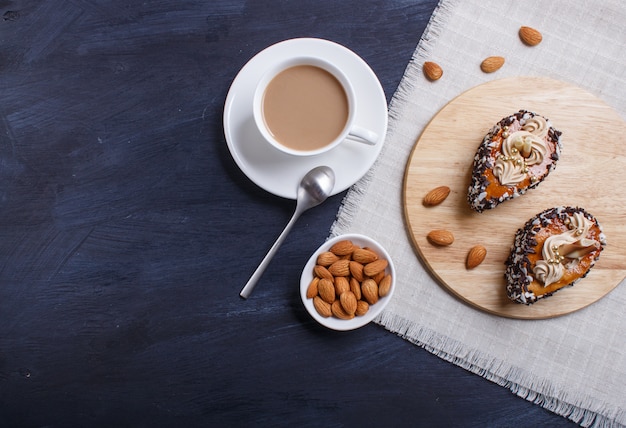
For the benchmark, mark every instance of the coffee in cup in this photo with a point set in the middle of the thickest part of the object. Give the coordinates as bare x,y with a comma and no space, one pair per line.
306,106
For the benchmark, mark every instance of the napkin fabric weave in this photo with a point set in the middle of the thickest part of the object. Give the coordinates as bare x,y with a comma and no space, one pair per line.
574,365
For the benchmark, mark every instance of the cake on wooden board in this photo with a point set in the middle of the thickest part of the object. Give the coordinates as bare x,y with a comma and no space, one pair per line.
555,249
516,155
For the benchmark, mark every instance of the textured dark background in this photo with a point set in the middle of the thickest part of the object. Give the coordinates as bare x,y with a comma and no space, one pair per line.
127,231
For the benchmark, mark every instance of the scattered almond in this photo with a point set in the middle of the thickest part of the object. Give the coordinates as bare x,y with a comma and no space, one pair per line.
475,256
491,64
436,196
440,237
342,248
530,36
322,307
432,70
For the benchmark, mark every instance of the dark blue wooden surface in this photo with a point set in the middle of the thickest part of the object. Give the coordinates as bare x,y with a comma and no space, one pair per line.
127,231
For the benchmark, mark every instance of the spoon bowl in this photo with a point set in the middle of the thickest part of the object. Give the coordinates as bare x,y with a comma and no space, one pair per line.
314,188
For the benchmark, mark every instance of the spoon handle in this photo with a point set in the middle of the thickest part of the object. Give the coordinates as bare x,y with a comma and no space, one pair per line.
247,289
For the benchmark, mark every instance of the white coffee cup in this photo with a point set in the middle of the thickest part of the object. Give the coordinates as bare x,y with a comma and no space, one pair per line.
302,88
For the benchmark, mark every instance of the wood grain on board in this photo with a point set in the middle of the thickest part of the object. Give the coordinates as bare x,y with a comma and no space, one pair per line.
591,174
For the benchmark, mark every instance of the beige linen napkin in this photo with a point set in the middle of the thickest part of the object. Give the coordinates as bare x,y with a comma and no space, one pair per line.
574,365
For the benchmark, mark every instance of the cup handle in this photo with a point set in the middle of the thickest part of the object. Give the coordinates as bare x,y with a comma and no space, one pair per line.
363,135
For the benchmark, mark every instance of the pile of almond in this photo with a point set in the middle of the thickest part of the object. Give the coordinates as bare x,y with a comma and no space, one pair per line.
347,279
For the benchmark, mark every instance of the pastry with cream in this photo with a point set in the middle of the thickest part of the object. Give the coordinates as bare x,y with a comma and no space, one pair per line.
553,250
516,155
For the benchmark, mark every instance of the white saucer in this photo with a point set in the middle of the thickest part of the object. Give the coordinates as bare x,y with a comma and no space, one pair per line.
280,173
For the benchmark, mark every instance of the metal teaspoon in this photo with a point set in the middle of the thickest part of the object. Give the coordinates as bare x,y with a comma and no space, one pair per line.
315,187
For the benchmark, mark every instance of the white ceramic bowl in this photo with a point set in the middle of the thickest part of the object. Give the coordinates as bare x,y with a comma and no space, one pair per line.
358,321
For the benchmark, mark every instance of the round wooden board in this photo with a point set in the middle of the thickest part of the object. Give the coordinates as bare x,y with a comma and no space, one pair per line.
591,174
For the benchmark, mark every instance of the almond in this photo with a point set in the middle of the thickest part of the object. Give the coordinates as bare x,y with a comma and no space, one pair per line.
340,268
374,267
384,286
356,270
432,71
326,290
379,276
436,196
475,256
348,302
364,256
355,287
322,272
326,259
369,290
312,290
440,237
342,248
491,64
339,312
322,307
361,308
530,36
341,285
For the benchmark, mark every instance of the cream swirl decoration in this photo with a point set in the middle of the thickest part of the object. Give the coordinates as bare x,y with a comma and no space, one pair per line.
521,149
572,245
536,125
